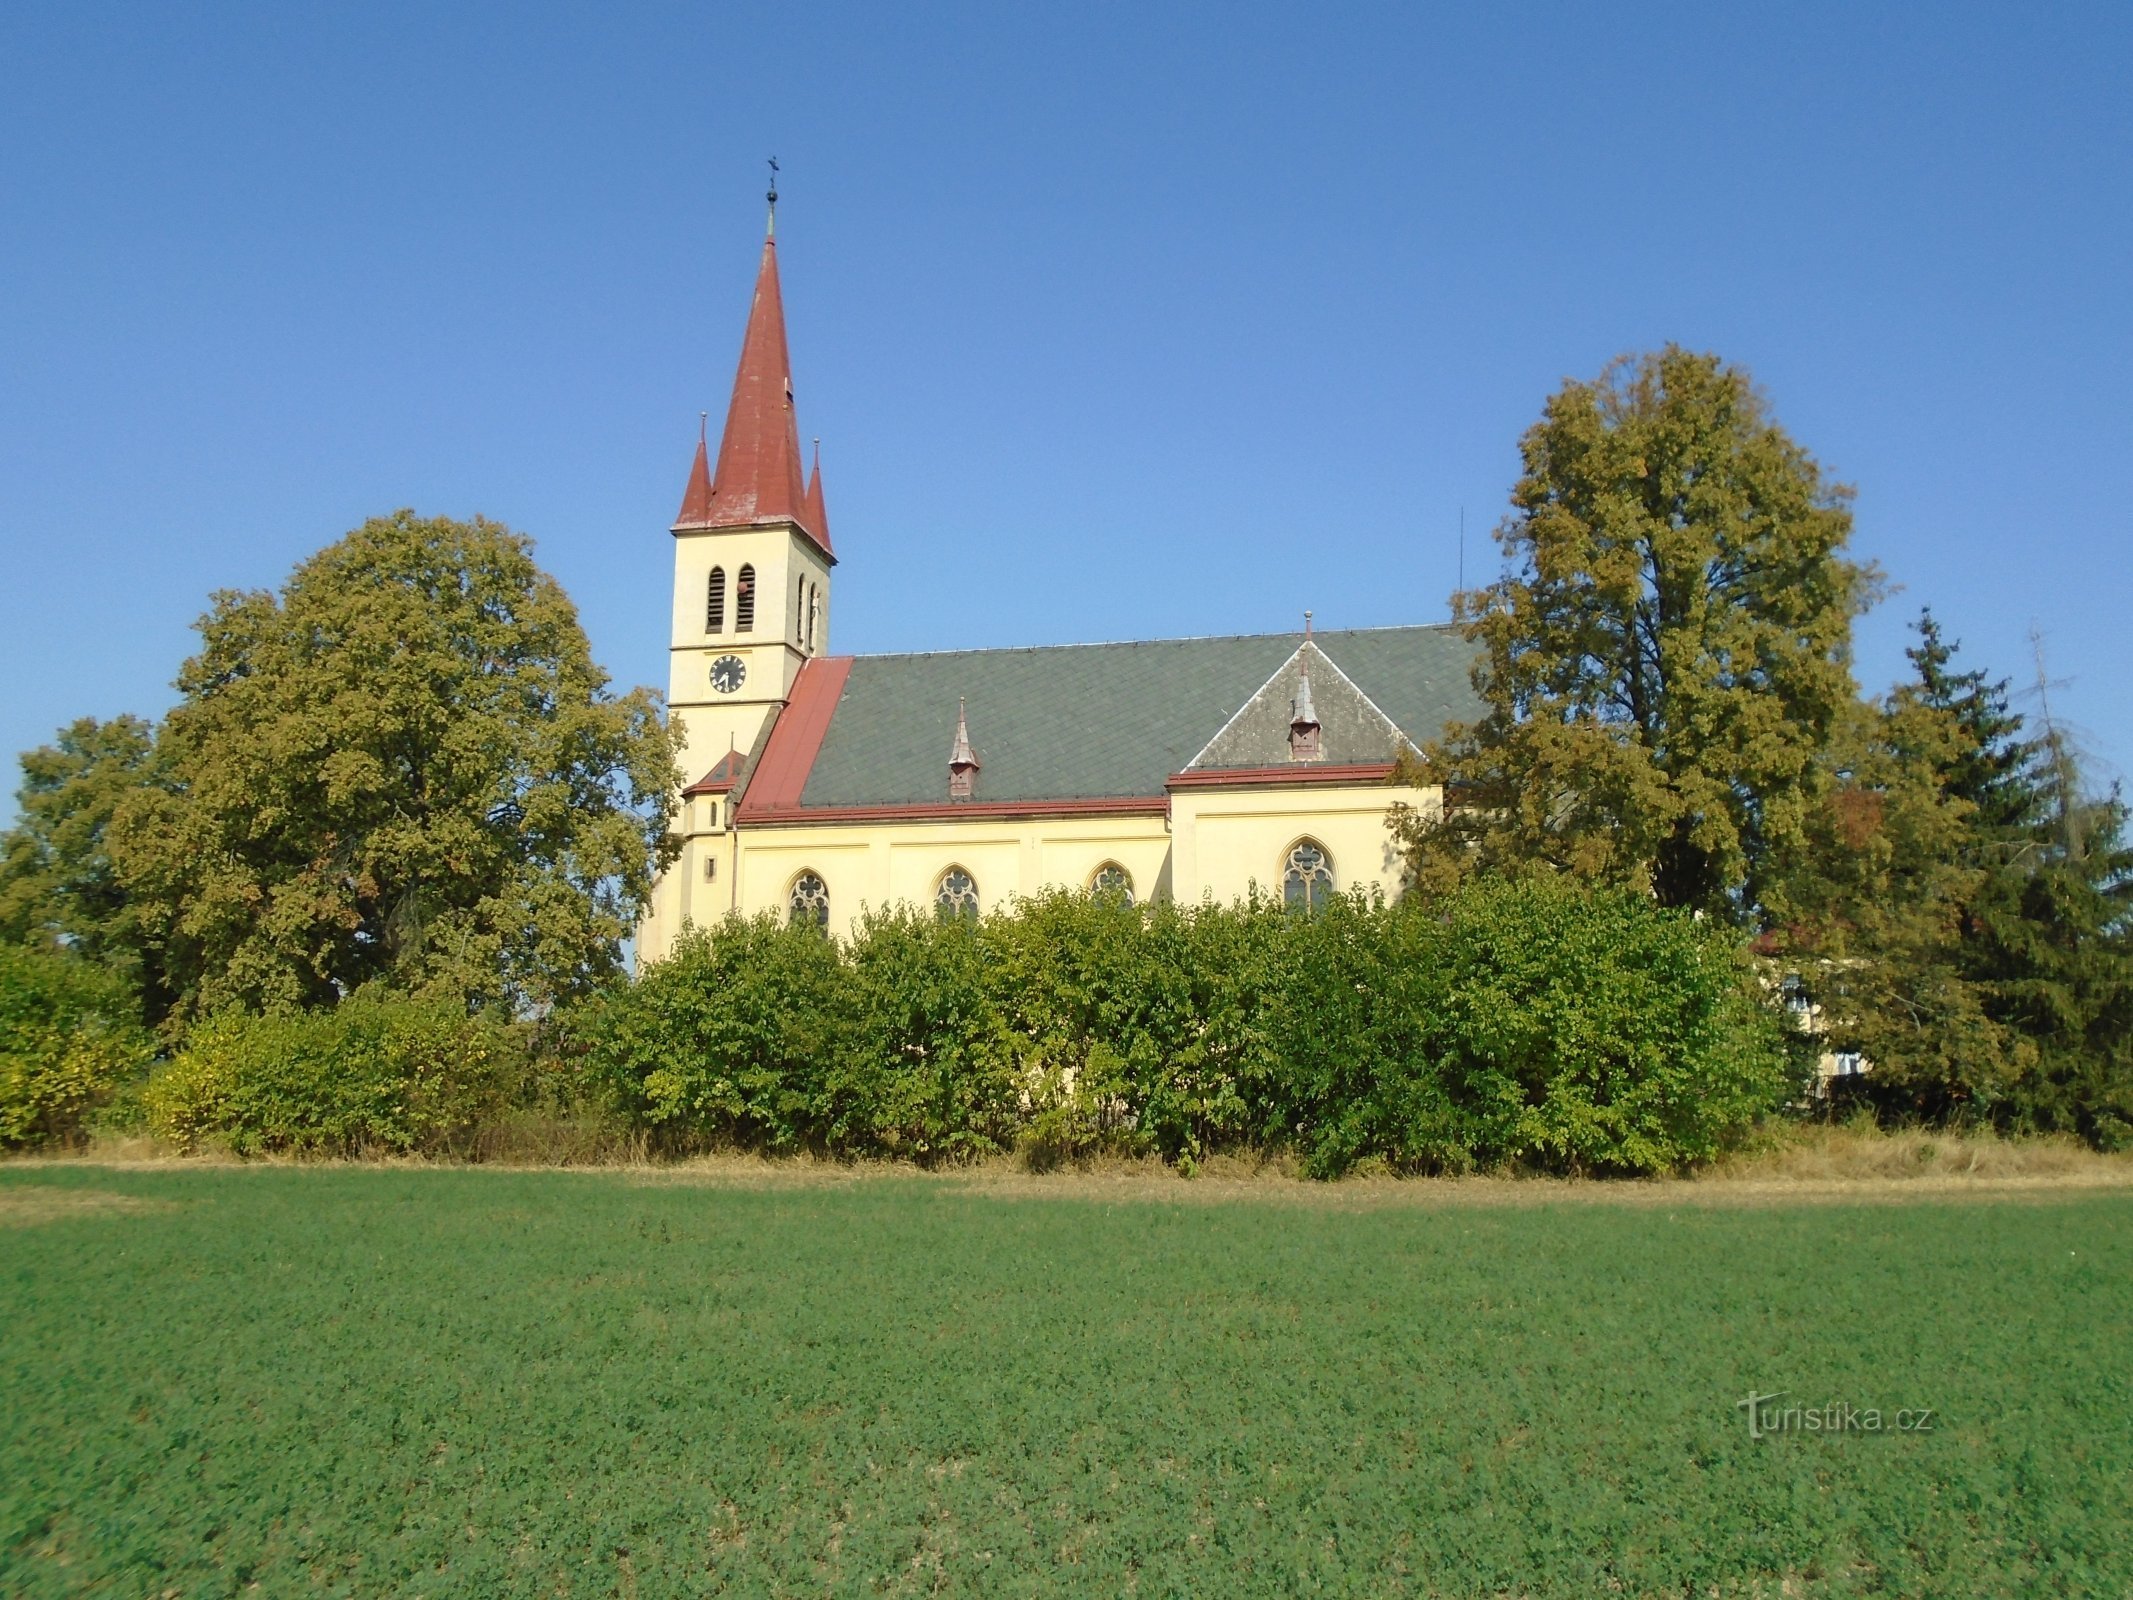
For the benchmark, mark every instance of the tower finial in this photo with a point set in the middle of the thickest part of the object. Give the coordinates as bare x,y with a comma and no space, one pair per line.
770,229
1307,625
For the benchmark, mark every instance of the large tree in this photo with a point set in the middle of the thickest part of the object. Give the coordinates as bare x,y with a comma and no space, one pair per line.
403,768
1667,655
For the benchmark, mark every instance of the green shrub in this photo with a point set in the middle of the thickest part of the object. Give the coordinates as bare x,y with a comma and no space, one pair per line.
376,1073
928,1065
70,1040
1582,1029
729,1039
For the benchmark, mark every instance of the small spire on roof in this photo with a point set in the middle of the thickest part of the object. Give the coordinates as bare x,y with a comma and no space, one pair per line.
1303,716
962,760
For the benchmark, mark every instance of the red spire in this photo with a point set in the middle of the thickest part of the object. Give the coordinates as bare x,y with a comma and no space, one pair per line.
758,477
696,499
815,514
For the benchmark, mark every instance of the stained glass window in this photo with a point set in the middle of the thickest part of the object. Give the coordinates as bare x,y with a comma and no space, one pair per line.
810,901
1307,876
958,894
1113,879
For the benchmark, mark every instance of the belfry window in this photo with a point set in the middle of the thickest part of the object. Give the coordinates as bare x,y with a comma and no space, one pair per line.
1112,881
957,896
1306,876
809,901
744,601
715,601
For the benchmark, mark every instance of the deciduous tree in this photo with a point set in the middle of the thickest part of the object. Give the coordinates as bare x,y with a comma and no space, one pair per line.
1667,654
404,768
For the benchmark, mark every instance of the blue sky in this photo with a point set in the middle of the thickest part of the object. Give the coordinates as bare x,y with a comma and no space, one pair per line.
1115,321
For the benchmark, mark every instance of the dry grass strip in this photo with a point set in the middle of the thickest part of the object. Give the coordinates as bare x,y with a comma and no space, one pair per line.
28,1205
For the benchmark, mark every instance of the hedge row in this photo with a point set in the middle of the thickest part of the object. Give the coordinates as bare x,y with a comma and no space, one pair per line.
379,1073
1529,1023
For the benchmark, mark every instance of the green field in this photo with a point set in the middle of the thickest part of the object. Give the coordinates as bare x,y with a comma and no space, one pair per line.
465,1382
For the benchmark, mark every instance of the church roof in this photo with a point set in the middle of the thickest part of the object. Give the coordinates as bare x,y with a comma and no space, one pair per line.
1102,724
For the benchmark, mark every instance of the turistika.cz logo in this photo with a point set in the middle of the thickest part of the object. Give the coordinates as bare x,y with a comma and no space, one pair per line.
1767,1416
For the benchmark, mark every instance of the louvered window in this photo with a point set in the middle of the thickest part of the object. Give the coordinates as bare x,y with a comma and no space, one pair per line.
715,601
744,602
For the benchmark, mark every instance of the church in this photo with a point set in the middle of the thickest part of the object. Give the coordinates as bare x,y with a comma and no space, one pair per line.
822,785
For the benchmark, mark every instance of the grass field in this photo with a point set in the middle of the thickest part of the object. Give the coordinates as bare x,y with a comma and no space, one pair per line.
467,1382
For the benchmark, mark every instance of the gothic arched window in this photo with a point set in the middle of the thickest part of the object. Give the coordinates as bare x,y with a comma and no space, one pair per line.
809,902
1112,879
1306,876
744,602
957,895
715,601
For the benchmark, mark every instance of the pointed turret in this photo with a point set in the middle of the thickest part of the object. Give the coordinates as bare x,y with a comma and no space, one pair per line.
1304,726
696,499
758,479
817,514
962,760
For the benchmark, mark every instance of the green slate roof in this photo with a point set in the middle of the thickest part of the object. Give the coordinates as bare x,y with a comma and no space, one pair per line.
1071,722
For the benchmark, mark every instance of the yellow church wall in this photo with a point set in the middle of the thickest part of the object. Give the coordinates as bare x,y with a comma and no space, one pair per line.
1216,845
1228,839
880,864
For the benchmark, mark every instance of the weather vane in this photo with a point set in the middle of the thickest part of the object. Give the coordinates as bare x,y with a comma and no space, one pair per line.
773,195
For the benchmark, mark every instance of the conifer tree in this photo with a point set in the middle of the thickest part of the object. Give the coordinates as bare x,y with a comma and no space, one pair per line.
2055,941
1878,917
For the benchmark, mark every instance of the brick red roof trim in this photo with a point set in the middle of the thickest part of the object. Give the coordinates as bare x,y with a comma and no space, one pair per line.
1253,777
796,738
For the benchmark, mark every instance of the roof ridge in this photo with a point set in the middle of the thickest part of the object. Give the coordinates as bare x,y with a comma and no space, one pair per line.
1186,638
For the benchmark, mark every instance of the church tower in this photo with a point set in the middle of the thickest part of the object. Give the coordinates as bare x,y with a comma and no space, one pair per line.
751,602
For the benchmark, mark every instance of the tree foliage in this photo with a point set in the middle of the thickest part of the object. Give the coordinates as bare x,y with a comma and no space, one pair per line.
404,768
1667,654
1963,914
1878,915
58,885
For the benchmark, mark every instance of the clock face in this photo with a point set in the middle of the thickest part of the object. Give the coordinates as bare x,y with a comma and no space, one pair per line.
728,673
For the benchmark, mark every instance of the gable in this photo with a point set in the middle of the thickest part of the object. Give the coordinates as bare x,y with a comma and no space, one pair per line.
1352,730
1092,722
